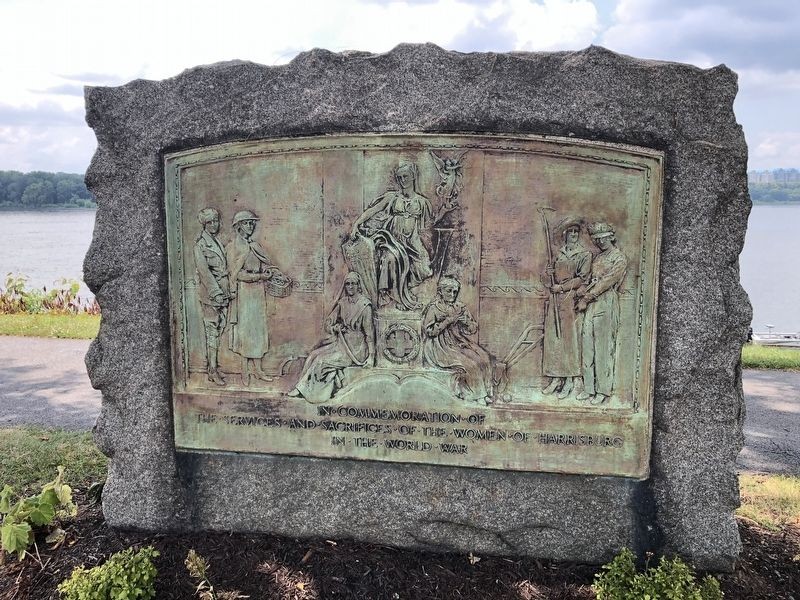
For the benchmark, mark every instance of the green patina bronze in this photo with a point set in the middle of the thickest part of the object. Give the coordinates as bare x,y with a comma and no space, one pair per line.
469,300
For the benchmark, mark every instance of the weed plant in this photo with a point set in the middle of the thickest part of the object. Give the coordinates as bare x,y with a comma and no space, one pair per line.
63,299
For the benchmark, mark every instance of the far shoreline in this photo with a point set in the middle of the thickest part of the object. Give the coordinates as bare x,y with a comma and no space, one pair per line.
48,208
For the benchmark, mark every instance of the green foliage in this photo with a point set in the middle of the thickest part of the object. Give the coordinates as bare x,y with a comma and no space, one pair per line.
16,297
772,501
770,357
124,576
673,579
20,517
32,454
41,189
79,327
774,193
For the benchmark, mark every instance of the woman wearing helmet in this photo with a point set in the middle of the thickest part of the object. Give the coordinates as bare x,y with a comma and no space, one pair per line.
249,267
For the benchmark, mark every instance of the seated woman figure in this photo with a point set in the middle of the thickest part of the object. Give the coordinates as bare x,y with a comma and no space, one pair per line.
350,343
447,325
394,222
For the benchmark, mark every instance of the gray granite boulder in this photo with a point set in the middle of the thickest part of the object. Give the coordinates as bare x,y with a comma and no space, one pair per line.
685,507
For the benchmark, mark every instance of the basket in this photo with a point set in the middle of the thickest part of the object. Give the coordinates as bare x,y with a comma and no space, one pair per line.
279,285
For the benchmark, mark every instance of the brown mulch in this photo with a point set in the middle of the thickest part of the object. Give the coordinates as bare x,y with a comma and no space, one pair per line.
264,566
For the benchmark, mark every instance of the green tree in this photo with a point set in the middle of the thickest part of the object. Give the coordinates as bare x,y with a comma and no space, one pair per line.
39,193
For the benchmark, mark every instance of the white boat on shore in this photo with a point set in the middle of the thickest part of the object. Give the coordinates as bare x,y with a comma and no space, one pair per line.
771,338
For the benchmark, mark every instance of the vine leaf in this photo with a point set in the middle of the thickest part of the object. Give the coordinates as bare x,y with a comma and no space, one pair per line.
15,537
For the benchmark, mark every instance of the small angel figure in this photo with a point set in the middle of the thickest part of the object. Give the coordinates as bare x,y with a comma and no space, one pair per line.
451,173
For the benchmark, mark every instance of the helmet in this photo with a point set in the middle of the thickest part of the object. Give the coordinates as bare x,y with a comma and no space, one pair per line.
244,215
599,230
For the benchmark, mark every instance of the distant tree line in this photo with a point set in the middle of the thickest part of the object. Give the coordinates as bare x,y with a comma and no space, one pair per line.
40,189
767,193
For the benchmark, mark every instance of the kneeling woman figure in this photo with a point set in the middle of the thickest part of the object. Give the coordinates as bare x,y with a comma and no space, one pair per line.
447,325
350,343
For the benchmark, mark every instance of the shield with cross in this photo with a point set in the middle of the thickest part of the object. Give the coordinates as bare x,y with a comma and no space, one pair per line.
399,341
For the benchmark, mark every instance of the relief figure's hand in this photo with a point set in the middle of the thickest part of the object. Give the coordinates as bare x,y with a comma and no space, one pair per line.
455,317
219,299
582,304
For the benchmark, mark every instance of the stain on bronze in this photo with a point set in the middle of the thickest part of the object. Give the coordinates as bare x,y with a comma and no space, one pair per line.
480,301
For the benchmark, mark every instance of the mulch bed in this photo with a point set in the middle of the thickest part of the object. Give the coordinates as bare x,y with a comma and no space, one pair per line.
264,566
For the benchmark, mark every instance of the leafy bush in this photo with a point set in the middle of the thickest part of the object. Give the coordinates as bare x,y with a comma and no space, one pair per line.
62,298
124,576
673,579
20,517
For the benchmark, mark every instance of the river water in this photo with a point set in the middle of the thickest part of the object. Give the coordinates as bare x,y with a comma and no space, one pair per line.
770,267
47,246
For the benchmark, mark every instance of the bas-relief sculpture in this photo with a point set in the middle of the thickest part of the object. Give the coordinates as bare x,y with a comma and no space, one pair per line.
504,283
350,343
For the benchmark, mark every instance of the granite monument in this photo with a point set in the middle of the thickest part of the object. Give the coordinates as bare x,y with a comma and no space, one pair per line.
466,302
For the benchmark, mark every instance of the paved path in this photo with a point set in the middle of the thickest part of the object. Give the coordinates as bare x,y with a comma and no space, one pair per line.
43,382
772,422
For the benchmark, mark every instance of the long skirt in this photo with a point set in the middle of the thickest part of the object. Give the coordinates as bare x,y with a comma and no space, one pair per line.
249,334
561,355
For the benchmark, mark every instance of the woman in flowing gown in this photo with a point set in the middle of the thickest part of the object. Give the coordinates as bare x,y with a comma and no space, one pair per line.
350,343
447,325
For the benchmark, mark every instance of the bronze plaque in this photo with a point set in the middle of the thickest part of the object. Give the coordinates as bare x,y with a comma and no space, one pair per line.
469,300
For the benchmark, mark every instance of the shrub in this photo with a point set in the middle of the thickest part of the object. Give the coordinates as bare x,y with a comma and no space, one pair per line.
62,298
124,576
673,579
20,517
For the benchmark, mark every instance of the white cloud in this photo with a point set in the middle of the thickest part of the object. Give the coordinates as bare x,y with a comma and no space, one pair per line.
757,39
52,47
551,25
156,39
741,33
774,149
36,148
763,82
505,25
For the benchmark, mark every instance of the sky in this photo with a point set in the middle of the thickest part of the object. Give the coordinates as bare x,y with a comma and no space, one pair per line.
50,49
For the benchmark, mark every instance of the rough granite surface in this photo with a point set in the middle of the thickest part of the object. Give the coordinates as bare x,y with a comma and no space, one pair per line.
686,506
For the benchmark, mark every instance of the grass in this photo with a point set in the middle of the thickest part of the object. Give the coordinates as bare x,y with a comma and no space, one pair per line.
29,457
770,357
772,501
83,327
